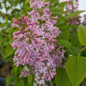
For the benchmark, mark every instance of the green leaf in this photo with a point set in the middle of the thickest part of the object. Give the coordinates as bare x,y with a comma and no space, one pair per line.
19,83
74,50
5,41
64,35
62,79
71,15
15,12
62,4
67,27
27,1
0,5
76,69
3,25
74,40
82,35
53,2
1,40
8,80
57,11
6,51
64,43
30,79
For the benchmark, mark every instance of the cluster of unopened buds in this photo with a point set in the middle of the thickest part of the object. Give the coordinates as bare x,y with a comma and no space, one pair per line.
35,43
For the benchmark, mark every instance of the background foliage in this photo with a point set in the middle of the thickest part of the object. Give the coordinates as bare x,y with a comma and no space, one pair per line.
72,37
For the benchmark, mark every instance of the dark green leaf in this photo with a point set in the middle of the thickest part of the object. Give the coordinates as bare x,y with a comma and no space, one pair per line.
19,83
62,79
64,35
6,51
74,40
64,43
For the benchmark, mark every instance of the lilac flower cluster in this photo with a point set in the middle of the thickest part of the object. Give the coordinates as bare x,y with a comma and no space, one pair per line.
72,8
35,43
84,22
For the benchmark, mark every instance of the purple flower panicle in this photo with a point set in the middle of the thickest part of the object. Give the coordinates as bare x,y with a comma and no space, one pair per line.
35,43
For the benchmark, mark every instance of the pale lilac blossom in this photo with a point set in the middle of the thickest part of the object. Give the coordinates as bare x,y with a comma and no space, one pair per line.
35,43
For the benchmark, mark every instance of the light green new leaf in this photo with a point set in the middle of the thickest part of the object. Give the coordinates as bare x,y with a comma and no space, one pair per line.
82,35
62,79
76,69
71,15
